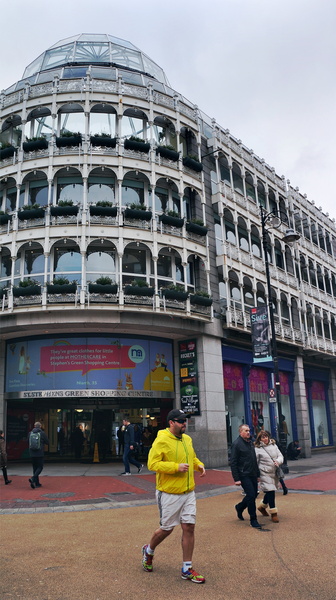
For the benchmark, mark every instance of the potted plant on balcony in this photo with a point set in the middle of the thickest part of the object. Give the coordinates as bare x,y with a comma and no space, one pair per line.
69,138
61,285
201,298
6,151
103,139
174,292
27,287
137,144
4,218
103,285
138,211
171,218
192,162
35,143
139,287
168,151
196,226
31,211
103,208
63,208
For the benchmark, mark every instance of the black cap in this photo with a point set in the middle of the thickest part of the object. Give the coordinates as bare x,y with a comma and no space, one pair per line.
176,414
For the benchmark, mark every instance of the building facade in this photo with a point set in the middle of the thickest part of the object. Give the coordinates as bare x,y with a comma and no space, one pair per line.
131,255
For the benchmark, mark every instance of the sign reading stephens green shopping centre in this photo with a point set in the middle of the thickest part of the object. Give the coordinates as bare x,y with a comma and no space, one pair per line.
90,367
189,377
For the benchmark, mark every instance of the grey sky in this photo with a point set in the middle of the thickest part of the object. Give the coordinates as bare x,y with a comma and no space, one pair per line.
265,69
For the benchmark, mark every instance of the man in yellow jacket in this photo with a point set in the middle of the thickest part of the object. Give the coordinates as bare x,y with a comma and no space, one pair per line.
173,458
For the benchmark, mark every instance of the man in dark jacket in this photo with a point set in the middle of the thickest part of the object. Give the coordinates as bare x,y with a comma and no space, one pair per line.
245,472
37,455
129,446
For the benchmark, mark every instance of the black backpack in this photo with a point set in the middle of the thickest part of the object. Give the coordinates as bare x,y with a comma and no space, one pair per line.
35,441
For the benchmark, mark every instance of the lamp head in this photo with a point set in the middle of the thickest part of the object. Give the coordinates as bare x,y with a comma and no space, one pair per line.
291,236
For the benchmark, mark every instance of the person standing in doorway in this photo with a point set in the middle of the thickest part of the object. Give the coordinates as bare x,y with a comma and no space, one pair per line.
129,446
3,458
37,439
173,458
245,472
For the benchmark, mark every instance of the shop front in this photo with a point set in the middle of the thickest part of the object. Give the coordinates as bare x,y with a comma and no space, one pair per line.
80,388
317,385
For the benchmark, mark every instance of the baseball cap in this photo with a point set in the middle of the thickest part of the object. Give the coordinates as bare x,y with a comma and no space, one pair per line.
177,414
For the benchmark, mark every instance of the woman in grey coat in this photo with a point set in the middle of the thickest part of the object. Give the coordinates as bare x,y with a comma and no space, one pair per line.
269,458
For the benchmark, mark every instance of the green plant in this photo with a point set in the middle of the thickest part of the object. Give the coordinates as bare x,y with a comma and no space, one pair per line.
104,203
202,293
35,139
139,283
6,145
173,213
104,281
70,133
2,212
104,135
30,207
197,222
168,147
177,288
134,138
136,206
61,281
194,157
65,203
28,282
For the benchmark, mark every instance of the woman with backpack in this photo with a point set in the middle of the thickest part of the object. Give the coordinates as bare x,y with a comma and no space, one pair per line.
37,439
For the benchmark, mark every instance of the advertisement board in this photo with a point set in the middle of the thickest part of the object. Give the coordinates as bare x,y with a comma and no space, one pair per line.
189,377
89,366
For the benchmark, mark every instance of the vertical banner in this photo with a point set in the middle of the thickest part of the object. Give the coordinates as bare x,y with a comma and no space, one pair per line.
260,334
189,377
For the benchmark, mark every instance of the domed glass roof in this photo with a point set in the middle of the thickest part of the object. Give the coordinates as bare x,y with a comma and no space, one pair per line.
95,49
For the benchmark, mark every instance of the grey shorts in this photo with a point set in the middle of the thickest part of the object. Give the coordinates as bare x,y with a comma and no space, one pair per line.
176,508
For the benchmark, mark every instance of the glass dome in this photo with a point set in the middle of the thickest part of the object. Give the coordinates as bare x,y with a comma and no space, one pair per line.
95,49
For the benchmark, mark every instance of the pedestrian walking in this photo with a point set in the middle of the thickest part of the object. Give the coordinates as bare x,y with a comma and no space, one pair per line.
269,458
37,439
3,457
245,472
173,458
129,447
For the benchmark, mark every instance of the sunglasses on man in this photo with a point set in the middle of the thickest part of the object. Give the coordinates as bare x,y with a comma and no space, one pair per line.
180,421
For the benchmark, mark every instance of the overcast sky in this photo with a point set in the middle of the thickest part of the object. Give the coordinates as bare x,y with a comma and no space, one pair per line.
264,69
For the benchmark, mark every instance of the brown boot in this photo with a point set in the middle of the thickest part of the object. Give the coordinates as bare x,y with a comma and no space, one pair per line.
262,508
274,515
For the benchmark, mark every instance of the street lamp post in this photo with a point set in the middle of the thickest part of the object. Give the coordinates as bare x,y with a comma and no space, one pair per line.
274,220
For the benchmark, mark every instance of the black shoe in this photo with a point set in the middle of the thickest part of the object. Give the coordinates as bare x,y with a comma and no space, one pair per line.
285,491
8,481
125,473
32,484
38,484
140,469
254,523
239,512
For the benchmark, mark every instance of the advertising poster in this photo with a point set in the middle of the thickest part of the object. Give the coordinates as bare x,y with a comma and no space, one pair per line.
189,377
260,334
87,365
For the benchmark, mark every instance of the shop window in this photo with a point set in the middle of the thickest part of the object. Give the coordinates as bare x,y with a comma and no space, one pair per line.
259,393
319,426
234,399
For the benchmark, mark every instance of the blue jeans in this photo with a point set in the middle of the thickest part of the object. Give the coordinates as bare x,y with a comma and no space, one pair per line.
250,487
37,463
128,458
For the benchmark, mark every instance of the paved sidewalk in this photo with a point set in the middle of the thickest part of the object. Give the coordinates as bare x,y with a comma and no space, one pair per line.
87,486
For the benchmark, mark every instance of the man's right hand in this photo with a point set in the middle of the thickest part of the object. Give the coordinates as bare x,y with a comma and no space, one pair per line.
237,482
183,467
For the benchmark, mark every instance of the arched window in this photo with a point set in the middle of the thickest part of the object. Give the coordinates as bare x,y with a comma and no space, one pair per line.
274,304
69,186
222,294
328,243
39,123
243,235
224,168
134,123
284,309
327,282
255,240
248,293
283,211
320,279
333,329
135,262
289,260
169,267
295,314
261,194
310,320
303,269
103,120
312,274
219,240
237,178
261,296
235,295
101,261
326,328
101,186
164,132
313,230
273,207
269,249
67,261
71,119
5,268
29,263
249,185
318,323
230,230
321,237
279,261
